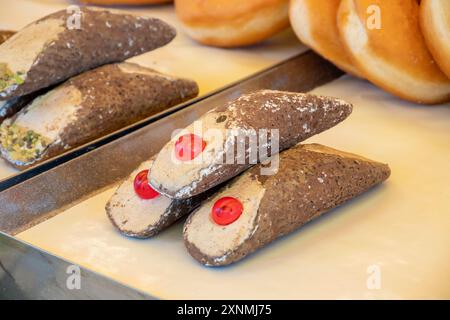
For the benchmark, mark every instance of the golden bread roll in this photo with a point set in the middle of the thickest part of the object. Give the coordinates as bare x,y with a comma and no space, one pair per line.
232,23
315,23
435,22
387,46
127,2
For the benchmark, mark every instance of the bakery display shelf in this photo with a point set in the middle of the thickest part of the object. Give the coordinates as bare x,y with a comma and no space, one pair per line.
29,273
73,178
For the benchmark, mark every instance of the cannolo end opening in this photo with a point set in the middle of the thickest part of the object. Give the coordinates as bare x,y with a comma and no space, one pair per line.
215,233
134,216
20,145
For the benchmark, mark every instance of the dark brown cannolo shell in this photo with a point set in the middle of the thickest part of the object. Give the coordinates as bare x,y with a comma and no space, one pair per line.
297,116
311,180
104,37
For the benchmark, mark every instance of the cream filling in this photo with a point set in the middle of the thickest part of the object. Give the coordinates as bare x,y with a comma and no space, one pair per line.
133,214
218,241
20,51
180,177
354,33
51,113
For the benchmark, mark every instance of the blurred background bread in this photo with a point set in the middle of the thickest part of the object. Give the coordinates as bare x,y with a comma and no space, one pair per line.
315,23
232,23
394,56
5,35
125,2
435,22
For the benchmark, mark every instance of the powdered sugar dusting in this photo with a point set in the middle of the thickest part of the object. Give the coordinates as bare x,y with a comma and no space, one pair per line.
298,115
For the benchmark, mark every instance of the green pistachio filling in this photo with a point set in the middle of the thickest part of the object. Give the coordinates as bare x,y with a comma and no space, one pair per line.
9,78
22,145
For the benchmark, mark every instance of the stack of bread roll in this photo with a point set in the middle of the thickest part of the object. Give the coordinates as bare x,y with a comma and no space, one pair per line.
403,46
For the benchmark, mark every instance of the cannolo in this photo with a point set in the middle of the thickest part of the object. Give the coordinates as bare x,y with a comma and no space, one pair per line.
87,107
385,42
64,44
5,35
138,211
194,161
253,210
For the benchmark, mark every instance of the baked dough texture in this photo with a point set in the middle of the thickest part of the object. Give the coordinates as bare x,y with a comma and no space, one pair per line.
311,180
435,22
315,23
89,106
232,23
395,56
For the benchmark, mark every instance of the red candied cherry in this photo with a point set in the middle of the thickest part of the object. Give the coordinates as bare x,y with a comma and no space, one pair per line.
189,146
226,210
142,187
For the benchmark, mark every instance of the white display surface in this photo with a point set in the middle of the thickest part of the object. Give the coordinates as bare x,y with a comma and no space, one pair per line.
399,229
212,68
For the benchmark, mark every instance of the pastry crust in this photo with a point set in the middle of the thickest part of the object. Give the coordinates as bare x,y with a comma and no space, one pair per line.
395,56
315,23
435,23
294,116
311,180
91,105
52,50
232,23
